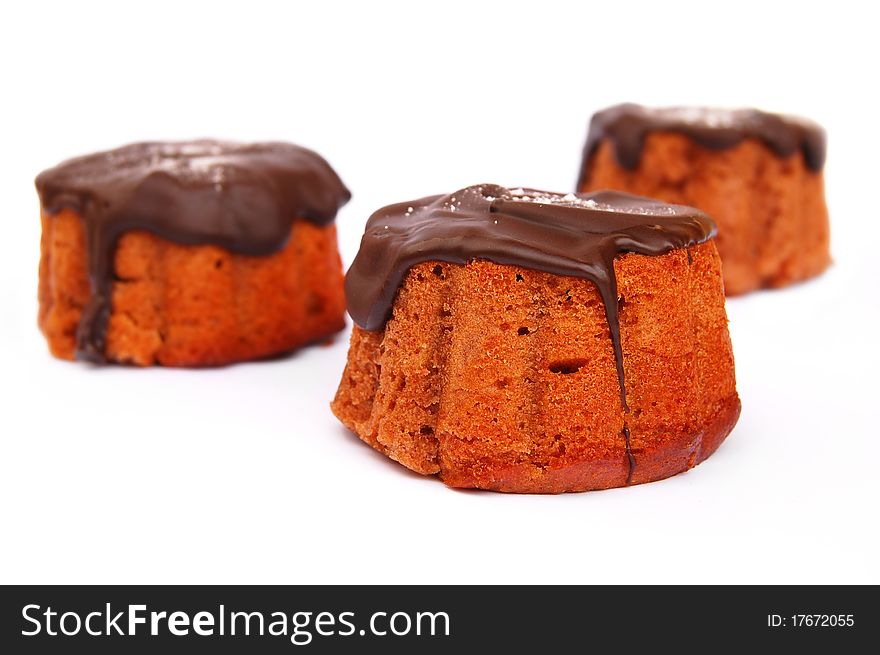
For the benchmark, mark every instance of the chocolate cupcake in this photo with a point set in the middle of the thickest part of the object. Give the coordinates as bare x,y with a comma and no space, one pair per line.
758,175
525,341
189,253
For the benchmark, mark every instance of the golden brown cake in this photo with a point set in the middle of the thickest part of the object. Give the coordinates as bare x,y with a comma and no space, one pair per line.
524,341
189,254
758,175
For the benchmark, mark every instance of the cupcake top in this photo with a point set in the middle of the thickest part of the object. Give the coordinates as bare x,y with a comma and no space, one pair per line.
627,125
240,196
243,197
566,234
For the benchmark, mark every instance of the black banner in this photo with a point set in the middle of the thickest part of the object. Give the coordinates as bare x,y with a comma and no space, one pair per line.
154,619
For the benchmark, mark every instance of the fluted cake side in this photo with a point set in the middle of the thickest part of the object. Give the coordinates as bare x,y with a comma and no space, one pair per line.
500,377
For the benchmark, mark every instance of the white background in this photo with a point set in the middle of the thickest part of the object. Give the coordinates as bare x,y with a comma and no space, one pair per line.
241,474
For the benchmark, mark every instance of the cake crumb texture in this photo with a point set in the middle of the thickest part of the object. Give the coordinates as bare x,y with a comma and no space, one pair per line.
770,211
499,377
184,305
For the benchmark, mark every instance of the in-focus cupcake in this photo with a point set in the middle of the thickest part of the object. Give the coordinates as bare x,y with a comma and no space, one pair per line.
189,253
526,341
758,175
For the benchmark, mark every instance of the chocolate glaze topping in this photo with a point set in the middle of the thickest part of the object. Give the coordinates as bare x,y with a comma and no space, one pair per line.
243,197
627,125
570,234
